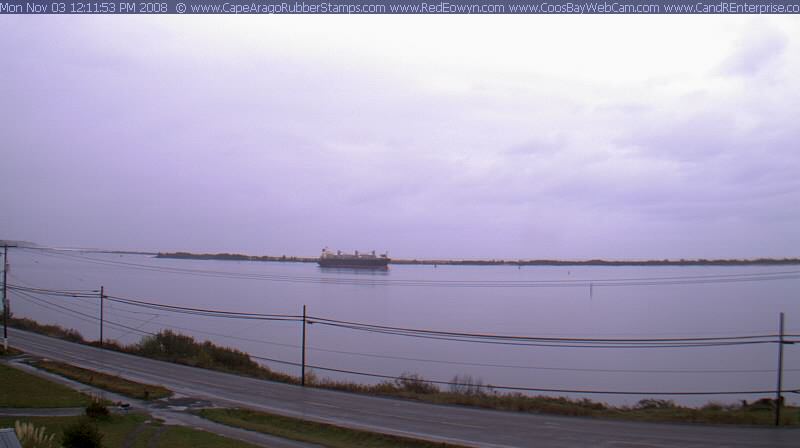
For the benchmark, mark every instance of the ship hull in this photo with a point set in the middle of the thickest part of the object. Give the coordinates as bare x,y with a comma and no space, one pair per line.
371,263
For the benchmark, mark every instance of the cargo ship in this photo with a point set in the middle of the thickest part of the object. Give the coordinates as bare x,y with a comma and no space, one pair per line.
339,259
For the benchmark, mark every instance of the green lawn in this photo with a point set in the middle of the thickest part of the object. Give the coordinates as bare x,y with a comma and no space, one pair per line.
24,390
183,437
114,429
119,427
104,381
307,431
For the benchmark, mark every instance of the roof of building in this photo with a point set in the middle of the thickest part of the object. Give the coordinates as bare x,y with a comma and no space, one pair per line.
8,438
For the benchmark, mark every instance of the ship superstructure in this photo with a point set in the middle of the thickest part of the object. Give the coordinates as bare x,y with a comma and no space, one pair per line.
339,259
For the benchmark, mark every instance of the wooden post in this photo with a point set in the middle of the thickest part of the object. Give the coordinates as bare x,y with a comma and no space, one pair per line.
303,362
5,297
102,297
779,391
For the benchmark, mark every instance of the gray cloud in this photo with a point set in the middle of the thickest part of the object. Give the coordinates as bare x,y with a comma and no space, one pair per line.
756,50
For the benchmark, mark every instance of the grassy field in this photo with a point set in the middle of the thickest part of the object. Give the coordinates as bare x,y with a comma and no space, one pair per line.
182,437
139,428
104,381
23,390
312,432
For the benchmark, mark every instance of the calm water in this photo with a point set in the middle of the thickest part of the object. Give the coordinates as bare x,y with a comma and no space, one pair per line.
392,298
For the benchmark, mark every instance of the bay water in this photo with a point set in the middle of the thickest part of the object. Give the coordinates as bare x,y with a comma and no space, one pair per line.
537,301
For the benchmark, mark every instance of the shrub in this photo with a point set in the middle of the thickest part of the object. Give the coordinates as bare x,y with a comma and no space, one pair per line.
414,383
97,410
467,385
653,403
55,331
589,404
311,378
763,404
713,406
32,437
82,434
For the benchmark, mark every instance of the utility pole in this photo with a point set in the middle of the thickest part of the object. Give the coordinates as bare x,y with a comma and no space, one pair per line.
6,307
778,392
102,297
303,363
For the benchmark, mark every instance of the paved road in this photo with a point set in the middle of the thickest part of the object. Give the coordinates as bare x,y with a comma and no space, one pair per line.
475,427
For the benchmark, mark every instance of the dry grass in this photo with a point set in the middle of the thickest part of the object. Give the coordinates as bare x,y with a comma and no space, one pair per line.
105,381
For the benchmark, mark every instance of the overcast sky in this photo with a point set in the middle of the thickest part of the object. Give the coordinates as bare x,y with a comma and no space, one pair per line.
428,136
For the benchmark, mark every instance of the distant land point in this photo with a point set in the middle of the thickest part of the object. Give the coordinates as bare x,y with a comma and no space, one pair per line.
496,262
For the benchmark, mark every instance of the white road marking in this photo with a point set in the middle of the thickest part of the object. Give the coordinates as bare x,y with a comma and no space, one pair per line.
324,405
640,444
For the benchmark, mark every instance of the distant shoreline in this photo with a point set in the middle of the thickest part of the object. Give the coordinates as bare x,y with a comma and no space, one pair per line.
523,262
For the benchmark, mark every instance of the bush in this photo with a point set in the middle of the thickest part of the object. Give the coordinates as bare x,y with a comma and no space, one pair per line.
713,406
763,404
414,383
168,345
653,403
55,331
82,434
311,378
97,410
467,385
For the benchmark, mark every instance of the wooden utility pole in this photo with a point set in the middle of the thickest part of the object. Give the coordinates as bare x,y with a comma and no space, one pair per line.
102,302
5,298
779,391
303,357
6,307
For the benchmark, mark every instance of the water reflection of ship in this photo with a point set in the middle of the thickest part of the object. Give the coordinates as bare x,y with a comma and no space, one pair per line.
339,259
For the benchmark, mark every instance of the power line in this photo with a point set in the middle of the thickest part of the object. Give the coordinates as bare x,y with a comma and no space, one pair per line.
322,320
93,319
462,336
194,330
489,387
40,302
27,296
65,293
551,344
158,306
561,369
516,388
205,311
436,361
519,388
